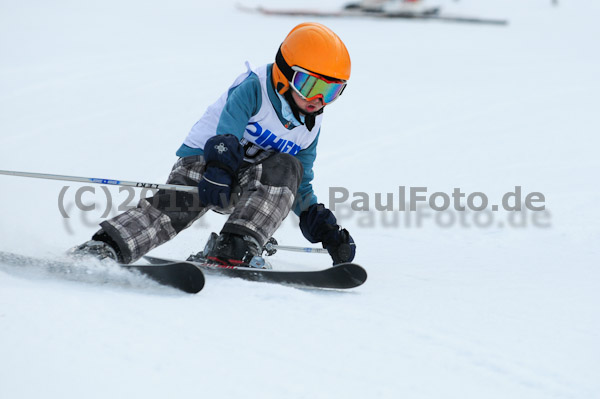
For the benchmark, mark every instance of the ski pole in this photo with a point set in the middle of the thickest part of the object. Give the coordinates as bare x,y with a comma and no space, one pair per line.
271,247
172,187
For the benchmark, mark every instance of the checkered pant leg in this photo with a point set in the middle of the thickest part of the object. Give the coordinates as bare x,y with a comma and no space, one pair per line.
269,190
158,219
139,230
261,211
269,193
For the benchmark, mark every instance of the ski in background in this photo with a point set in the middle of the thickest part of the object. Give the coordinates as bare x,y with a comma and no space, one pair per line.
431,14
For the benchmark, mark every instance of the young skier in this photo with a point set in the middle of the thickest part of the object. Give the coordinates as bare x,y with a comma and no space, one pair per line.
251,156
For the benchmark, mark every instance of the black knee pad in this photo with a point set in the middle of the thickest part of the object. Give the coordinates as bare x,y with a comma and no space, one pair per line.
180,207
280,170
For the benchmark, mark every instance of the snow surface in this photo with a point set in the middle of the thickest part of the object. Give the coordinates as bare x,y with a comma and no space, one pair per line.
451,310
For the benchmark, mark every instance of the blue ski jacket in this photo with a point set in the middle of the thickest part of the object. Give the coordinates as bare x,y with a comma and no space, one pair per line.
243,102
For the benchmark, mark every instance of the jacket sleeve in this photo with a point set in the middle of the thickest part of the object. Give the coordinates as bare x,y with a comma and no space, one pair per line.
306,196
243,102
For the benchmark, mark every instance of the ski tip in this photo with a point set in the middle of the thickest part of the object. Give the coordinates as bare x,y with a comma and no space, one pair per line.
182,275
356,273
192,279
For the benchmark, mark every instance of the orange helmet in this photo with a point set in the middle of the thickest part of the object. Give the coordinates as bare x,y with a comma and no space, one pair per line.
313,47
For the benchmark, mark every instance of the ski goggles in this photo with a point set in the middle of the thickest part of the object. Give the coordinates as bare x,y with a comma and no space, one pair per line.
309,86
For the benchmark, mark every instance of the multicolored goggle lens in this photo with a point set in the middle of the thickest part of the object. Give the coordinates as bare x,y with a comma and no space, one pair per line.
310,86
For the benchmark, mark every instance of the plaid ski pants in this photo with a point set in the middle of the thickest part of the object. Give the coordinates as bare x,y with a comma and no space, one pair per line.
268,186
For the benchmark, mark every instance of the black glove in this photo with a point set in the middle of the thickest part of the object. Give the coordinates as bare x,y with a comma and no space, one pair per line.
318,224
224,156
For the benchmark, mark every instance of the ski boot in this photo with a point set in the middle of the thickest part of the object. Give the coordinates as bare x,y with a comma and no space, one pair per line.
230,249
98,247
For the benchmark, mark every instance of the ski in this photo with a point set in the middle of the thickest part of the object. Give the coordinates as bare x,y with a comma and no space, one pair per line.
433,14
183,276
342,276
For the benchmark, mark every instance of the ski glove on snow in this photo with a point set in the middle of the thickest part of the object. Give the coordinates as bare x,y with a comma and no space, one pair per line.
318,224
224,156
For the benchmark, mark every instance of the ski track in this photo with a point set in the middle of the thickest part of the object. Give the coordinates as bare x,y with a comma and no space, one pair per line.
447,312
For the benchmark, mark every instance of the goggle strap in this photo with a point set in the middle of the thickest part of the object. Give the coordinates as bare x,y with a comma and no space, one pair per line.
287,71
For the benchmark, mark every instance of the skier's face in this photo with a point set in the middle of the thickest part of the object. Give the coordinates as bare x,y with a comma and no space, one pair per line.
307,107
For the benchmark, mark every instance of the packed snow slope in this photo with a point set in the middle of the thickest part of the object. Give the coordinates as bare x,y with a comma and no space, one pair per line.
458,304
